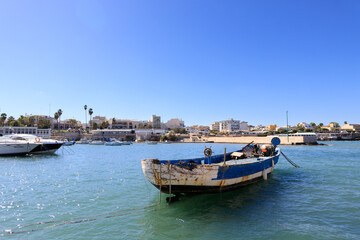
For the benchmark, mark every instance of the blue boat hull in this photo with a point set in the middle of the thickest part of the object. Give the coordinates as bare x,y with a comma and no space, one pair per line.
207,175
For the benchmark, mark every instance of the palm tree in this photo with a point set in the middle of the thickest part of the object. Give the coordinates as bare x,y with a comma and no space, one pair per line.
85,107
56,116
90,113
59,113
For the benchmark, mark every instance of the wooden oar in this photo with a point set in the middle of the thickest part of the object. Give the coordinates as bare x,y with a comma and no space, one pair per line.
291,162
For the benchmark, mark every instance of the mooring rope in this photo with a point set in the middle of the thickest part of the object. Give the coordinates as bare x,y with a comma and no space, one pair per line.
291,162
90,218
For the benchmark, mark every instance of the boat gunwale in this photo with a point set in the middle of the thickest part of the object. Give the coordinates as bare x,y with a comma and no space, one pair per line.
198,161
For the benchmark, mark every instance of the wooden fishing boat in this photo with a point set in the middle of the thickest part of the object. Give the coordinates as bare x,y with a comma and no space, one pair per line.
210,174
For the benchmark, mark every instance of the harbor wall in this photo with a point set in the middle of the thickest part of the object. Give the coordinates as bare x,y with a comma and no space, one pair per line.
293,140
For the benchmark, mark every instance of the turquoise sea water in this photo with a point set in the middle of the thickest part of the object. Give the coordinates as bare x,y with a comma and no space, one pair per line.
320,200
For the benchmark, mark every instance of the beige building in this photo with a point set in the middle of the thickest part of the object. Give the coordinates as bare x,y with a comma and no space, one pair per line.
98,120
351,127
121,124
175,123
156,121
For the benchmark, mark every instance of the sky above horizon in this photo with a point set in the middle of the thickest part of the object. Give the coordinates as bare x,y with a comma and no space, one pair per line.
201,61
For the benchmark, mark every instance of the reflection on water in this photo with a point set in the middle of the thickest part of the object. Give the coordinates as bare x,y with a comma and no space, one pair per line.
320,200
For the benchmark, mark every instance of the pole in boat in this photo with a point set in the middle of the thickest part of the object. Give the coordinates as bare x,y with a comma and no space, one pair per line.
287,126
224,156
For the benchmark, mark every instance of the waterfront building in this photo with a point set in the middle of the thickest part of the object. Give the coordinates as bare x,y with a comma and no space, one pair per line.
147,134
106,134
351,127
26,130
156,121
175,123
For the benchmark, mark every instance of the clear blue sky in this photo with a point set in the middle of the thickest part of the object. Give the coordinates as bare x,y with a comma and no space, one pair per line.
201,61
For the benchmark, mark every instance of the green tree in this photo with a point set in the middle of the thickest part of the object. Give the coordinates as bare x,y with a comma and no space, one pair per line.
300,128
313,124
10,119
73,123
14,124
183,131
104,125
172,137
94,125
345,122
44,123
3,118
23,121
31,121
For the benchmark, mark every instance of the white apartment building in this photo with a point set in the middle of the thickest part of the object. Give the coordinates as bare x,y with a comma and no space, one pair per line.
230,125
215,126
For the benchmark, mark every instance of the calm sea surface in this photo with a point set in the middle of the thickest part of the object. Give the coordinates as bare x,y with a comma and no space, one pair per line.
320,200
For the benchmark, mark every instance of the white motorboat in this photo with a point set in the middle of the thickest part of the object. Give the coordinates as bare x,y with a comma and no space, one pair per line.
114,143
96,143
10,147
82,142
45,146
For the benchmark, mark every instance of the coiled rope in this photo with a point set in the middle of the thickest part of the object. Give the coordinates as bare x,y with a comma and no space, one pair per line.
91,218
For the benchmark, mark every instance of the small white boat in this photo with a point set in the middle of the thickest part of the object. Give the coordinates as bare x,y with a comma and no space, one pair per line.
96,143
114,143
82,142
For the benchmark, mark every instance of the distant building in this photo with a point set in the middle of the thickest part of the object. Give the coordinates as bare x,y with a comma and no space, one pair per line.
215,126
142,124
351,127
175,123
121,123
195,129
26,130
305,125
106,134
230,125
98,120
156,121
147,134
